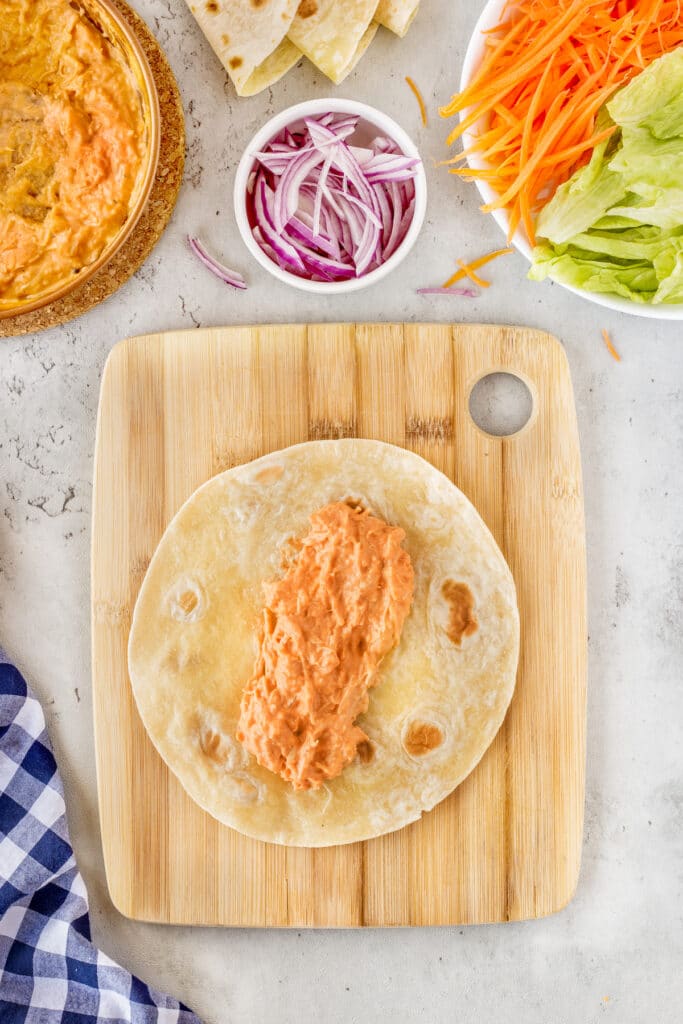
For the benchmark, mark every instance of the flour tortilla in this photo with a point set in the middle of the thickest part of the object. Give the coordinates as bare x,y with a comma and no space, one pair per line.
334,35
397,15
366,39
249,38
192,642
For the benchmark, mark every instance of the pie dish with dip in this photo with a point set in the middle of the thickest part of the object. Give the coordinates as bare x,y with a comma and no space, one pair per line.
79,143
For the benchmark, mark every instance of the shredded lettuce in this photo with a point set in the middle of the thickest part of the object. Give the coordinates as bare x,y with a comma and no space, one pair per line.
616,226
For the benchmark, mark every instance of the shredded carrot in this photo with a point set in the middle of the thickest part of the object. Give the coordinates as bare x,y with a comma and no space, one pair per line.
610,347
547,69
467,269
420,100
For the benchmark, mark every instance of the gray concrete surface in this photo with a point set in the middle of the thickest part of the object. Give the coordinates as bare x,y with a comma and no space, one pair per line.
615,953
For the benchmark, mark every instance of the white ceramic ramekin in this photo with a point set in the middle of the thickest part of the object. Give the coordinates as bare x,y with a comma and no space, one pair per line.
314,108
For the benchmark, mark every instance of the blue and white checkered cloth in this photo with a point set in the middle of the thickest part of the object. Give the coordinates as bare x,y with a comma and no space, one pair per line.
50,972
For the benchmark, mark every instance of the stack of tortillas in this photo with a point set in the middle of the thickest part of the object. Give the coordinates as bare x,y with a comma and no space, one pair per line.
258,41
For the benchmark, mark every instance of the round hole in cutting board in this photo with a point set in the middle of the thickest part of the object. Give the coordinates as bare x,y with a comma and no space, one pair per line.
501,404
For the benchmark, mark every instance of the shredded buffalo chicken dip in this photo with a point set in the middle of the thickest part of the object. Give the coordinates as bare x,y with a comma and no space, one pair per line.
326,625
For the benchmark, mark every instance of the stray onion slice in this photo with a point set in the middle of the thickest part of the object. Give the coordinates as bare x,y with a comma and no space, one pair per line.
326,210
468,293
231,277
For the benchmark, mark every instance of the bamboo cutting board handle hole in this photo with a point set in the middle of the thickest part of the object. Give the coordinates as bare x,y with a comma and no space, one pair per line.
502,404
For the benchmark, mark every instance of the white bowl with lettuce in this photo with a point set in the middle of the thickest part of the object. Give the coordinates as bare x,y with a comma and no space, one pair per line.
613,233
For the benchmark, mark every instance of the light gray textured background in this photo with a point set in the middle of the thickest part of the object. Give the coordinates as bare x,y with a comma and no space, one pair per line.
616,952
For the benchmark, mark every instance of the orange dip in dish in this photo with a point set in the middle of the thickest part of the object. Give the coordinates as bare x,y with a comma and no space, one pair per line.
327,624
73,139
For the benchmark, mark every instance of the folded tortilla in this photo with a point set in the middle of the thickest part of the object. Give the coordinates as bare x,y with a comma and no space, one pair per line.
334,35
397,15
249,38
365,41
440,696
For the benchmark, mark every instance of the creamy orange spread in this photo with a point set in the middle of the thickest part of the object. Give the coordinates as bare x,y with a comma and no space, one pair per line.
326,625
72,142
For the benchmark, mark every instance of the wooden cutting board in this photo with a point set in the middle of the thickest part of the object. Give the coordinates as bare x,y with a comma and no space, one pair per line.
176,409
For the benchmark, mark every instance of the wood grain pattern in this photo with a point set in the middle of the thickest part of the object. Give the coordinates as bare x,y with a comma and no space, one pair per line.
177,408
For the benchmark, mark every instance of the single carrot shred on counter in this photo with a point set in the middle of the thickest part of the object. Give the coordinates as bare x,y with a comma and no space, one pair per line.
467,269
418,97
532,103
610,347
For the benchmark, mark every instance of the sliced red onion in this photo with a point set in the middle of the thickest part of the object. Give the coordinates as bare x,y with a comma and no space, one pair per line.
332,224
333,270
327,193
385,213
347,240
301,231
397,208
287,195
468,293
373,217
407,191
382,175
353,217
342,125
231,277
268,249
285,251
403,227
367,249
384,145
361,154
306,203
325,209
317,202
343,159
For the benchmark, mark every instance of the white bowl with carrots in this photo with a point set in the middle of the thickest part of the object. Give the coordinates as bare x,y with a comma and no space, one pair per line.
533,170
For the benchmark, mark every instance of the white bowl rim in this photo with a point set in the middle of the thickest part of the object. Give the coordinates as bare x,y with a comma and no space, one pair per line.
489,17
315,107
